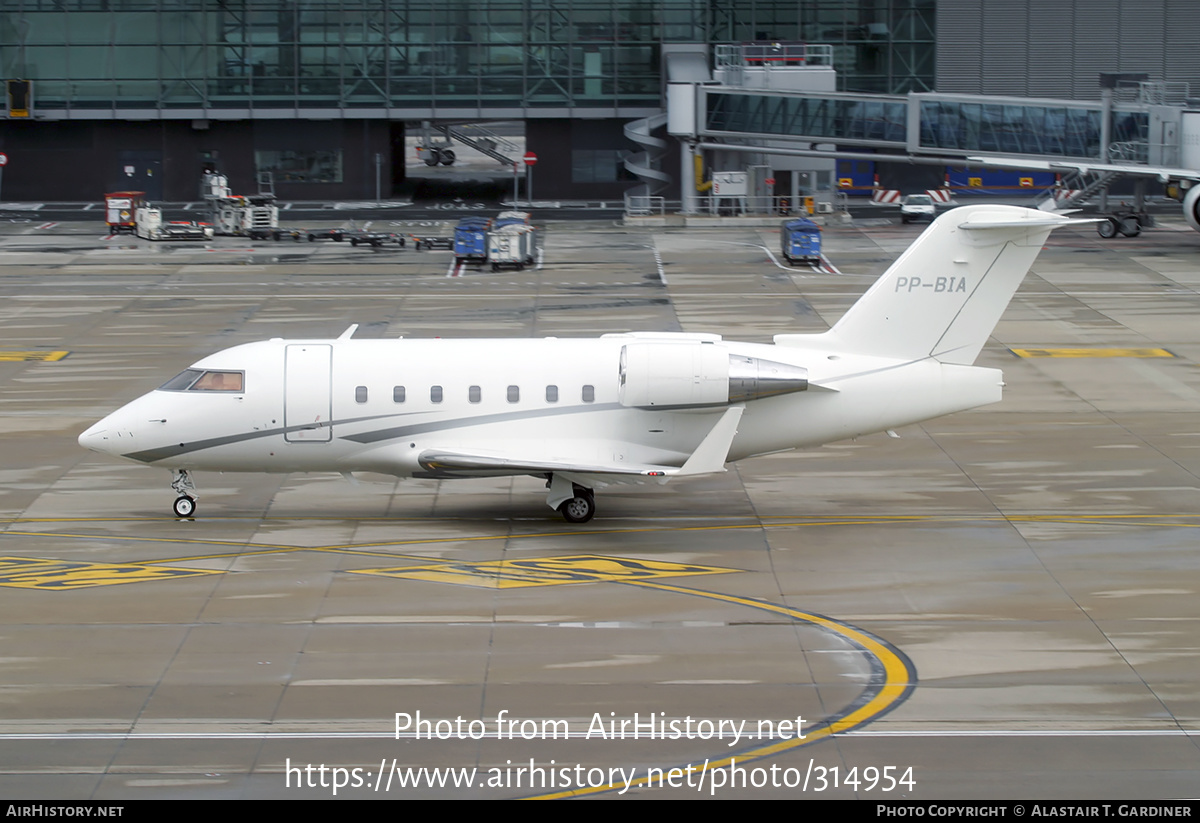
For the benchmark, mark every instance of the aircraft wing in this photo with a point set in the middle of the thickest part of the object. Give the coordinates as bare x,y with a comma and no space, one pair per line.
472,464
1163,173
709,457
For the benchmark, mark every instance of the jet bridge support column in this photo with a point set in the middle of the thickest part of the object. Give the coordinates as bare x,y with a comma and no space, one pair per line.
687,176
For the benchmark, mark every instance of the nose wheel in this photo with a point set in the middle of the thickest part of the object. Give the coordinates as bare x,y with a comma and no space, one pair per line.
185,503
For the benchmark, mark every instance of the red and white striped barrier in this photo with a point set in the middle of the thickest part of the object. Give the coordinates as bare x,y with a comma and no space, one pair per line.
886,196
939,195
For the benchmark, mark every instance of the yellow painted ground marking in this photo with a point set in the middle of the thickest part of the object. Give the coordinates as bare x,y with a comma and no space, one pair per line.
18,356
890,685
545,571
1091,352
377,548
35,573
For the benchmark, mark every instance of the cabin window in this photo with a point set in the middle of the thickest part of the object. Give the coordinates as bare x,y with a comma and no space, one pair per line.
360,394
514,394
197,380
397,394
552,394
435,394
473,394
589,394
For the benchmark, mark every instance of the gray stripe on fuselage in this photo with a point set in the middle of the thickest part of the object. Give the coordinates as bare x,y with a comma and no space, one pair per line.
163,452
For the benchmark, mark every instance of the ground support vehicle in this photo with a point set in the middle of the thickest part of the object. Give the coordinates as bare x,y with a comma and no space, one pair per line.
150,226
432,242
800,241
1125,222
511,246
377,239
470,239
312,235
120,210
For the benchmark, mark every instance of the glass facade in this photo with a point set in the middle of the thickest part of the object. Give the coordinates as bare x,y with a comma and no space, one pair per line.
406,54
961,124
1014,128
834,118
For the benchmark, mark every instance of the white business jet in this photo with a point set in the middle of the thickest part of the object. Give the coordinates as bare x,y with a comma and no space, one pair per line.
585,413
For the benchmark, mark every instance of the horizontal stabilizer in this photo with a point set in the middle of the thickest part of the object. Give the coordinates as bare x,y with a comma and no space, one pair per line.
1054,221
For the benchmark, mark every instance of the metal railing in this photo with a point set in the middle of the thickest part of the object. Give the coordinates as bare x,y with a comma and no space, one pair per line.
1153,93
642,205
782,205
774,55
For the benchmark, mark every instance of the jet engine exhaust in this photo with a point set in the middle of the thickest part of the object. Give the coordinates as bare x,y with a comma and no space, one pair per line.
751,378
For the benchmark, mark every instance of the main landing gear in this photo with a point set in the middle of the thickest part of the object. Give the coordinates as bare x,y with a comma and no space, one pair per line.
1126,222
185,504
581,508
575,503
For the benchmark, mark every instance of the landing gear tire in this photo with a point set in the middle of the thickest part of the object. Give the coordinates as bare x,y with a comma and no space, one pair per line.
433,157
1107,228
184,506
1130,226
579,509
448,157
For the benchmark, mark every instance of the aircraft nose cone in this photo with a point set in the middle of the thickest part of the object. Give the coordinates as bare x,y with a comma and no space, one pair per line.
93,438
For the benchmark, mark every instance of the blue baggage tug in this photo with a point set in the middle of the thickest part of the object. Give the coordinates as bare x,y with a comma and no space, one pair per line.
470,239
800,240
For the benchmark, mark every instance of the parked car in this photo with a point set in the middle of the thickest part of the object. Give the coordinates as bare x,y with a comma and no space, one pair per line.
917,207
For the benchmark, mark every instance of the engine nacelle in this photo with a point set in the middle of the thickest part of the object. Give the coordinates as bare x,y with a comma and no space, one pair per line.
1191,207
670,374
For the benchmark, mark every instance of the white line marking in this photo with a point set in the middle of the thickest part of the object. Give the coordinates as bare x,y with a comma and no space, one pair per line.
828,267
662,275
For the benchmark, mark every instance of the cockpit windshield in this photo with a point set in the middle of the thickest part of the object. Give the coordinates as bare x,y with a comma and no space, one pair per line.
198,380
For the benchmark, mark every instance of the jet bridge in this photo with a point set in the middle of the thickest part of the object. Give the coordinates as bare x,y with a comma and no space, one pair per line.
749,106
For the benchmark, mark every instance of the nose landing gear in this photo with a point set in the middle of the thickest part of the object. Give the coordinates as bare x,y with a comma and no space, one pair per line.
185,504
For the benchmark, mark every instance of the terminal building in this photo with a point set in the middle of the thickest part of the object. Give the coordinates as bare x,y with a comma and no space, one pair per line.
615,96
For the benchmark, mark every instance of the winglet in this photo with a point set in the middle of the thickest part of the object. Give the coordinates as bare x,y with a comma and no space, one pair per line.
709,457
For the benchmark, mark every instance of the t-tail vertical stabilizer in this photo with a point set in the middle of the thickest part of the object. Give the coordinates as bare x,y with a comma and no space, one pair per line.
943,297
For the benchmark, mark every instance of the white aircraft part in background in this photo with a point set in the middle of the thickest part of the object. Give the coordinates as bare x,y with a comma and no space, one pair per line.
1188,178
584,413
